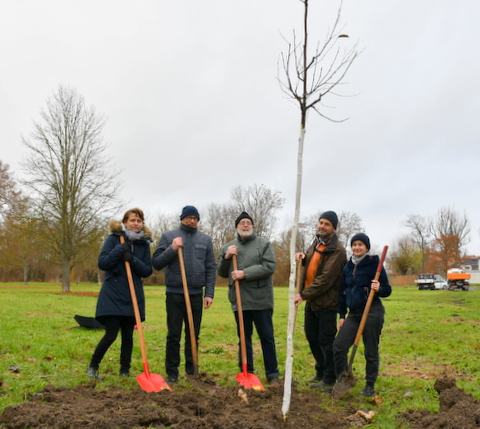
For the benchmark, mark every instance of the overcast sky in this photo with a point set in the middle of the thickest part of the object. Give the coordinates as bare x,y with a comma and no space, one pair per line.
194,107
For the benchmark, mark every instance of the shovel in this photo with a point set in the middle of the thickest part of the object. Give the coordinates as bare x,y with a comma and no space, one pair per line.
347,380
148,381
247,380
188,305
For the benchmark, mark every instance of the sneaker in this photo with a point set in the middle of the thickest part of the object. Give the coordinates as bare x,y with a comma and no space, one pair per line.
172,379
92,372
124,374
368,391
315,378
322,385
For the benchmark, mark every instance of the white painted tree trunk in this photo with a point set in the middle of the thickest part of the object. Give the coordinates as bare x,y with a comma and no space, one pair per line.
292,309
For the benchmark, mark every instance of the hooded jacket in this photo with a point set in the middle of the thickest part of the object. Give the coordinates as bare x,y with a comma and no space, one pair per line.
115,298
256,257
324,291
199,260
356,285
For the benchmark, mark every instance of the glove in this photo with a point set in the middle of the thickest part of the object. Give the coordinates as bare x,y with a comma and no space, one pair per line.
127,256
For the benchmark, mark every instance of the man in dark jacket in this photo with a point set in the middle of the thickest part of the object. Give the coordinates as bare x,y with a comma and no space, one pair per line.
200,270
256,265
323,264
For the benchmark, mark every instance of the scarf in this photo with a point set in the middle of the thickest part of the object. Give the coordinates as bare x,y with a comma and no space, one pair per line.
356,259
132,235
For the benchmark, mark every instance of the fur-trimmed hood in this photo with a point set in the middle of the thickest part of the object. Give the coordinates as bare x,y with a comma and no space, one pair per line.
117,226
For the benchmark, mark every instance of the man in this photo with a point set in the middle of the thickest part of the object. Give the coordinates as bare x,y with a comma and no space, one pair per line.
256,265
200,271
323,264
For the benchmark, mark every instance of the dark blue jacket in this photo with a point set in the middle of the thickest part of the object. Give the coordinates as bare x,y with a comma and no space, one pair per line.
356,285
200,266
115,298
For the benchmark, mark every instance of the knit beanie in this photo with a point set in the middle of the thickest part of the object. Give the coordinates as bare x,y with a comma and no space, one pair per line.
189,211
243,215
330,216
361,237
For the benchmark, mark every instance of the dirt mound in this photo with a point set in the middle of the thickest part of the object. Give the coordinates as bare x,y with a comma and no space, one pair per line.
457,409
216,407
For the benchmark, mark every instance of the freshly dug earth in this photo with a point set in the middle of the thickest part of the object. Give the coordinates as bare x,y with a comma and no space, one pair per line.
457,409
88,406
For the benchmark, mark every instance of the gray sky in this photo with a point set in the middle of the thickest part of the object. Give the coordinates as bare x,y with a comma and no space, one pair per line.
194,108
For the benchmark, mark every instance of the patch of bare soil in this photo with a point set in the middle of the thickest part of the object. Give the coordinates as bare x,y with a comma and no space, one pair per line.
457,409
86,406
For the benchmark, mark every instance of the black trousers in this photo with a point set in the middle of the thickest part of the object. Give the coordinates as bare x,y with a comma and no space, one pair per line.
320,329
176,317
262,319
113,324
371,339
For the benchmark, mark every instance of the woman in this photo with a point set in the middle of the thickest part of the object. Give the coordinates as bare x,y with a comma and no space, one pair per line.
357,280
114,306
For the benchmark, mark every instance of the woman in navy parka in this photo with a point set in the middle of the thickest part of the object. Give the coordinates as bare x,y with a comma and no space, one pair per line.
114,306
357,281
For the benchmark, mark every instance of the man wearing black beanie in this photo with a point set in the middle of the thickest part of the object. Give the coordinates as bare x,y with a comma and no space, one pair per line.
320,287
256,265
200,268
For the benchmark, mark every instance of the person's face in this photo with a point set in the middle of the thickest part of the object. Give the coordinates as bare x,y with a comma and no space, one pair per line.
359,248
134,222
245,228
190,221
325,228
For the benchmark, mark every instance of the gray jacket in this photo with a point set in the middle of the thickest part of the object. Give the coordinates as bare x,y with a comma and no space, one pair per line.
256,258
199,259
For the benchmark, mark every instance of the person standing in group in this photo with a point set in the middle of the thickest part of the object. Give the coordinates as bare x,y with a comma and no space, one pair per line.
114,306
256,265
323,264
358,278
200,270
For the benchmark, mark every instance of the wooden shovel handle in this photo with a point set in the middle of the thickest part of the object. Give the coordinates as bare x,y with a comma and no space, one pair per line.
188,305
363,321
241,328
136,310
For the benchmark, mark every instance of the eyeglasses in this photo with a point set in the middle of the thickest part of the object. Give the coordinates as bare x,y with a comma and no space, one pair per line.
245,222
190,218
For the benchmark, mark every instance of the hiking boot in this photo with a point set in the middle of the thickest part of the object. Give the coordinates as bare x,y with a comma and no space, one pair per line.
274,382
92,372
322,385
315,378
368,390
172,379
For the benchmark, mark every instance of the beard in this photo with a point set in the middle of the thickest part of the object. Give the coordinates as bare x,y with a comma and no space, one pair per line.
245,234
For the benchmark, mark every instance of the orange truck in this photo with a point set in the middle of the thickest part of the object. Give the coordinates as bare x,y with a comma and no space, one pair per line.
458,279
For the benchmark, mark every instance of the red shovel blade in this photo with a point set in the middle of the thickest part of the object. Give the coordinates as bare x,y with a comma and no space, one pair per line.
151,382
249,381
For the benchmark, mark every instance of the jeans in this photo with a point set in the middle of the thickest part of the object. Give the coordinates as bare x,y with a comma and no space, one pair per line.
113,324
264,326
320,329
371,339
176,317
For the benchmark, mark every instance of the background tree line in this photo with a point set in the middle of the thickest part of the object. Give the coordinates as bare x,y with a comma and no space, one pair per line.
54,221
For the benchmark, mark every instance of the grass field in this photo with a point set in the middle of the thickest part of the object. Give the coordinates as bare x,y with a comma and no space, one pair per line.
427,334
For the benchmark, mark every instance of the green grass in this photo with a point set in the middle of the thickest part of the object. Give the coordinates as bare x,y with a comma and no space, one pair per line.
427,334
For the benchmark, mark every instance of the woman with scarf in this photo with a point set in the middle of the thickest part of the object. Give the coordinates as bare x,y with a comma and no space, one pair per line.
114,306
357,280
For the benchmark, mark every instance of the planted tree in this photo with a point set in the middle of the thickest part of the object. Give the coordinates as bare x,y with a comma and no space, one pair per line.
309,76
69,174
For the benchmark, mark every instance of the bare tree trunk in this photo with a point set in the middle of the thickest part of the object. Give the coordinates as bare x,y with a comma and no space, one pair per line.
66,276
25,272
292,309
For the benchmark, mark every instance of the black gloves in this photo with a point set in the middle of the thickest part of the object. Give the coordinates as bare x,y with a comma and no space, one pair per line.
127,256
